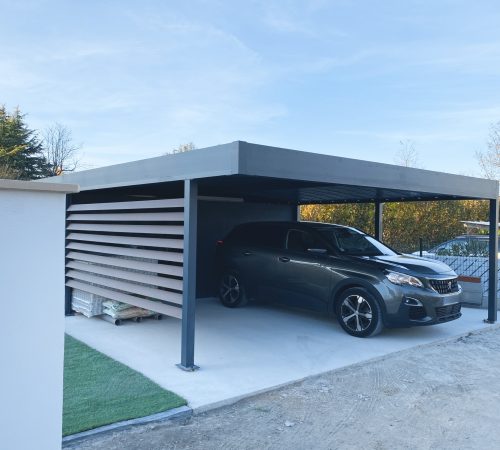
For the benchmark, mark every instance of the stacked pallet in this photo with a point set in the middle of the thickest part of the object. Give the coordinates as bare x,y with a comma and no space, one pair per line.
87,304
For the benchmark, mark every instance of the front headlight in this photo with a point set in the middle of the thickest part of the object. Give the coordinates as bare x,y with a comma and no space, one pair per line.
402,279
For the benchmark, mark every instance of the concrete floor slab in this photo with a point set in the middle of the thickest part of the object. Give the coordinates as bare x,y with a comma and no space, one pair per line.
251,349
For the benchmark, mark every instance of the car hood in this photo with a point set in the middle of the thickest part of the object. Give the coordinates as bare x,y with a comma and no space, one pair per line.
410,264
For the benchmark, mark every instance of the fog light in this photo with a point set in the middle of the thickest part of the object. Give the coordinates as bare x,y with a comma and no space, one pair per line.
412,302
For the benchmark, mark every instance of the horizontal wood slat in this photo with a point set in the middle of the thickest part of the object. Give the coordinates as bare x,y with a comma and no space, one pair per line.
129,217
120,228
125,286
158,307
124,251
143,204
154,280
164,269
128,240
103,255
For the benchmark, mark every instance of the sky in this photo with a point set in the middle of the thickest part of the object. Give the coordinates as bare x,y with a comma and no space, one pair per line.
134,79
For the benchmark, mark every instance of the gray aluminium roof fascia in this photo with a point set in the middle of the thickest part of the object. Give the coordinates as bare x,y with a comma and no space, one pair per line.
243,158
199,163
37,186
261,160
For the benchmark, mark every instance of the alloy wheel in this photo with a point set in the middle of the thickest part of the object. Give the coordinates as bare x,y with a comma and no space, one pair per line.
230,289
356,313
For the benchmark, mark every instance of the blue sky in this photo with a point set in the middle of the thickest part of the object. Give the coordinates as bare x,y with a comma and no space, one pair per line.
352,78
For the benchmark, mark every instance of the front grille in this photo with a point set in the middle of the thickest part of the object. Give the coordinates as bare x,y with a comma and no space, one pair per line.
448,312
445,286
417,313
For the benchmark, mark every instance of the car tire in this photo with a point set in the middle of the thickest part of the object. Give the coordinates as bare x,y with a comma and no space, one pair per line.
231,290
359,313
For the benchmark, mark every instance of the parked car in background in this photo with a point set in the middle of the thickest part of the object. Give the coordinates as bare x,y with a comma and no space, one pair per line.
336,270
466,245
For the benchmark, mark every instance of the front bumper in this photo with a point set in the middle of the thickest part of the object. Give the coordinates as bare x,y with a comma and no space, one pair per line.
418,307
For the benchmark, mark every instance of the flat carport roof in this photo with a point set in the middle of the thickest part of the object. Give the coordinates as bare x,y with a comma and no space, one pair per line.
269,173
257,173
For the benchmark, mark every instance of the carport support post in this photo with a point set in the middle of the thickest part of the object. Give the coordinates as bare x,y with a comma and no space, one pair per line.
379,220
189,275
493,263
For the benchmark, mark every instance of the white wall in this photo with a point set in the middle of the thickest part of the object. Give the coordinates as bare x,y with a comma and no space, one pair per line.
32,319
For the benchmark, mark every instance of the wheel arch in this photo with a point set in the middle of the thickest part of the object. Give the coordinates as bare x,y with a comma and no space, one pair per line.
350,283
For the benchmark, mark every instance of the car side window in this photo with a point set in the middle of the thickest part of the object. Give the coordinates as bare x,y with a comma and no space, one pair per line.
301,241
271,236
258,236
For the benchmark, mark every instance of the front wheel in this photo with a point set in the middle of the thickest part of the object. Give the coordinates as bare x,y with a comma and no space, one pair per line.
358,313
231,290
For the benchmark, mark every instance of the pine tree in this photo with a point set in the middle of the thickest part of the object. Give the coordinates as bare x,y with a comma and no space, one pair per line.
20,149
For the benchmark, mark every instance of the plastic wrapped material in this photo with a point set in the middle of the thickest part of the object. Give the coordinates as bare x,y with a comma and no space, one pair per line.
128,313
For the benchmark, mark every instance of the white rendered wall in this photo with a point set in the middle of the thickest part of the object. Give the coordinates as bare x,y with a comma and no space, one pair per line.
32,319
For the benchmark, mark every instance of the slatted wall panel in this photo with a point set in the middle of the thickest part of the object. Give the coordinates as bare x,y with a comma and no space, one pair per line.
131,252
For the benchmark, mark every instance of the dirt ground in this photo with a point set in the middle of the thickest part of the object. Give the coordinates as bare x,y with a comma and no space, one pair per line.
440,396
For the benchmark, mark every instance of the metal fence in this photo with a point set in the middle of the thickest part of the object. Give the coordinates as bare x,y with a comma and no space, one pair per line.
469,259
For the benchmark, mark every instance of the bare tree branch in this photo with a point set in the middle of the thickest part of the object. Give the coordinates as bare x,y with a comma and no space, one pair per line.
59,149
407,155
182,148
489,160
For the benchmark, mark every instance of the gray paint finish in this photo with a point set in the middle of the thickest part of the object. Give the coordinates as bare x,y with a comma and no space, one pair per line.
243,158
215,221
276,162
493,263
189,276
200,163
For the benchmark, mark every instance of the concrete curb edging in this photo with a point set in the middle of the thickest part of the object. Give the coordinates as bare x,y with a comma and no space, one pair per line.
176,413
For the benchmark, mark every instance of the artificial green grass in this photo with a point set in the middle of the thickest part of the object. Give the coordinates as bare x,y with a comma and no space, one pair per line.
99,390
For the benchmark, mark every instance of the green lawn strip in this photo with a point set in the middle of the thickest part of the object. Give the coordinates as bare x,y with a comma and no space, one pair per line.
99,390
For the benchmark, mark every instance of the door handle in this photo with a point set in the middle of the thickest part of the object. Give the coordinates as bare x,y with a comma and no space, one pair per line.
284,258
247,253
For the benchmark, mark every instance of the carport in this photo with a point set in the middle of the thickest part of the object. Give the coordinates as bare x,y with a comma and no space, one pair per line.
144,232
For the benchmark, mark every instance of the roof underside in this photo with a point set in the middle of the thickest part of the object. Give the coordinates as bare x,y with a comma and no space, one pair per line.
259,173
252,188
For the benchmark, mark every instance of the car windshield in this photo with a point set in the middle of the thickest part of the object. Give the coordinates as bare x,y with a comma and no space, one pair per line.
351,242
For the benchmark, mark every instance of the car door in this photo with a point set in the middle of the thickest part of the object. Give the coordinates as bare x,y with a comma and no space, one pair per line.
303,278
258,259
265,257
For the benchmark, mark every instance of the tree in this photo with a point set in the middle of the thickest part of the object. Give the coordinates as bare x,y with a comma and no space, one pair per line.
404,222
407,155
489,160
59,150
182,148
20,149
7,173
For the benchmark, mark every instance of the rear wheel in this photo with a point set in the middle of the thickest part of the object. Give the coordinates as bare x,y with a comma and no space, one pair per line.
231,290
358,313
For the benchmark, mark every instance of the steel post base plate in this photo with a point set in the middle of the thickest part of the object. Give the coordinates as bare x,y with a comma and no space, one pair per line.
188,368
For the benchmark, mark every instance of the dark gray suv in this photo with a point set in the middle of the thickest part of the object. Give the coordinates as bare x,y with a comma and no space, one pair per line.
337,270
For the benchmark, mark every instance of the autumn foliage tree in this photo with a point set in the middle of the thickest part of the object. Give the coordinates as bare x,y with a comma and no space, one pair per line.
404,222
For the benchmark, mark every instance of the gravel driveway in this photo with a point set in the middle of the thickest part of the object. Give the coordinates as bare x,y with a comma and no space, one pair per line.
439,396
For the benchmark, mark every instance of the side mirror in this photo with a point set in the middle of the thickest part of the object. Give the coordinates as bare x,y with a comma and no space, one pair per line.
320,251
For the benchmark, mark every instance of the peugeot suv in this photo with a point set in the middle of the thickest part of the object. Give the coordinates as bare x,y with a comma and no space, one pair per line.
336,270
